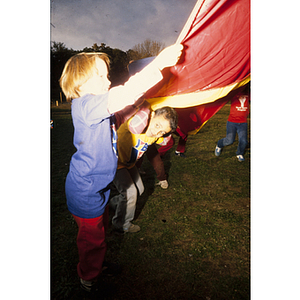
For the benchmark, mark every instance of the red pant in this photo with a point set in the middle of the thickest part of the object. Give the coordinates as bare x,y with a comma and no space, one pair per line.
91,245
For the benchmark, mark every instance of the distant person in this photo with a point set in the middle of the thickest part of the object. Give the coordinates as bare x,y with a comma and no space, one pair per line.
85,82
236,123
135,136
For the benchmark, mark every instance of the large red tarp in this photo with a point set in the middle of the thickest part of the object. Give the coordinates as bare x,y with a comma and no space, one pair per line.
216,54
217,50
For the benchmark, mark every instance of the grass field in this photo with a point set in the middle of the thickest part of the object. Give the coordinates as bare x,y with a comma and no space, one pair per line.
194,241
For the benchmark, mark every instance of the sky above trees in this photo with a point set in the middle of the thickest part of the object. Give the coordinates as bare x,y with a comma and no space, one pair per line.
118,23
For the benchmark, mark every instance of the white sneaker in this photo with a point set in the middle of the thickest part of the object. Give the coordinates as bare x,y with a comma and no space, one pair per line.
218,151
87,285
163,184
132,228
240,158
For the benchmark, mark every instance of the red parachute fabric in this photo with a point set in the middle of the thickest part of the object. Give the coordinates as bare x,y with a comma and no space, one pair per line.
217,49
216,56
192,119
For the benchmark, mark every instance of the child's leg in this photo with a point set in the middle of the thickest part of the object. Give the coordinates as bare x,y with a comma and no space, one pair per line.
242,134
128,186
182,141
181,144
230,135
91,246
137,188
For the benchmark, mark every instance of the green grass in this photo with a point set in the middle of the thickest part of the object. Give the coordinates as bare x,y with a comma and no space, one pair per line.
194,241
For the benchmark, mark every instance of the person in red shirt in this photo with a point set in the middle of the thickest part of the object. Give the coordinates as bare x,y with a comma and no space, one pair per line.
237,123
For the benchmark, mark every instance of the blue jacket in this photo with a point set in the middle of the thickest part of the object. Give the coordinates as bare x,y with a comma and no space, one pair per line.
93,165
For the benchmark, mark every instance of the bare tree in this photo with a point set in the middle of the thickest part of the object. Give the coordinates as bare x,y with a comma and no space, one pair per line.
147,49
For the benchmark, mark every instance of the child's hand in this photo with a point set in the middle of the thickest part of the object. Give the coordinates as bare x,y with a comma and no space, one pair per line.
169,56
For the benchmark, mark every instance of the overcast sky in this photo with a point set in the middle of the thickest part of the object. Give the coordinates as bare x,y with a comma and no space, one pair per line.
117,23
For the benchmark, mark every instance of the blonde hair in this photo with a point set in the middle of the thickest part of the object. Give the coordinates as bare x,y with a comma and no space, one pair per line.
78,69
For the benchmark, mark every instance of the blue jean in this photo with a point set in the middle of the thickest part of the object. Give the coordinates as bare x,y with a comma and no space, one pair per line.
232,129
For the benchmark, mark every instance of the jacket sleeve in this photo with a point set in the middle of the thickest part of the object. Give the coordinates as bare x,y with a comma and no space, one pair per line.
123,115
139,121
93,108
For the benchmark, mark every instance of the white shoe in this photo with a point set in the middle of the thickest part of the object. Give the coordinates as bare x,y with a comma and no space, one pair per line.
240,158
87,285
132,228
218,151
163,184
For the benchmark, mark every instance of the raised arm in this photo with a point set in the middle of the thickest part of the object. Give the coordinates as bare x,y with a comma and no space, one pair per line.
140,83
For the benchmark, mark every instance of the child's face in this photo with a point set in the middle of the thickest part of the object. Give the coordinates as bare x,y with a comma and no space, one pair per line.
104,82
158,126
99,82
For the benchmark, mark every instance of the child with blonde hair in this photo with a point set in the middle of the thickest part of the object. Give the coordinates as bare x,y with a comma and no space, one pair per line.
85,83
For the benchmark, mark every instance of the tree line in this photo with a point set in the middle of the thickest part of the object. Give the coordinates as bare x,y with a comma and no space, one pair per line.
119,61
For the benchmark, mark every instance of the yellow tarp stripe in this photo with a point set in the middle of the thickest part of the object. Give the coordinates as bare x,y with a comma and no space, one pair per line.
197,98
